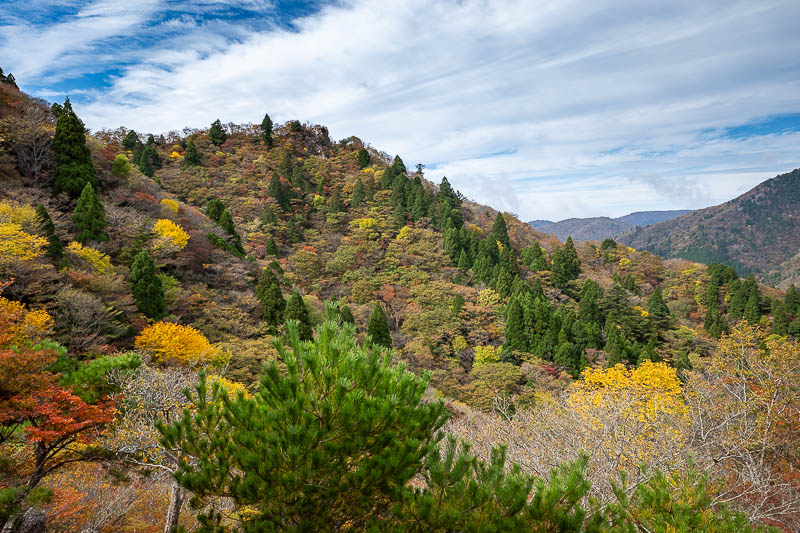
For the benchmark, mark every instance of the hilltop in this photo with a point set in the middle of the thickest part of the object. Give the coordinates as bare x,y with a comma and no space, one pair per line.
757,233
599,228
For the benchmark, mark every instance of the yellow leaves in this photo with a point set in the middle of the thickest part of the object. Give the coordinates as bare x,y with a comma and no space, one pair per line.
99,261
174,155
17,245
624,262
170,234
24,215
489,298
177,344
630,250
639,309
486,354
405,231
170,205
24,326
366,227
459,343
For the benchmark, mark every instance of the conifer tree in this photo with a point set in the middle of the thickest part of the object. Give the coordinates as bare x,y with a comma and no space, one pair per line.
363,158
780,324
191,156
752,311
278,192
657,310
138,150
792,301
398,165
378,327
74,168
146,161
216,134
130,140
214,209
272,247
266,131
90,216
463,261
615,344
566,265
346,315
516,338
589,302
146,286
296,310
499,231
268,292
55,248
306,452
358,194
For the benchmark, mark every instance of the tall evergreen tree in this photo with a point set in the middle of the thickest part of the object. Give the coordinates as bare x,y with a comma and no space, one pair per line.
792,301
146,286
130,140
266,131
296,310
146,161
346,315
216,134
780,324
589,302
268,292
516,337
55,248
277,190
615,343
191,156
358,194
90,216
272,247
74,168
363,158
658,312
214,209
378,327
566,265
463,261
499,231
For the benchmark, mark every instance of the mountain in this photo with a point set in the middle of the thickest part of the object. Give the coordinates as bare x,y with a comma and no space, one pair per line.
756,233
599,228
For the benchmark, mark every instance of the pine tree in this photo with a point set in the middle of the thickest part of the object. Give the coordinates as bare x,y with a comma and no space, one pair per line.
278,192
55,248
90,216
266,131
615,344
358,194
792,301
74,168
272,247
191,157
216,134
463,261
146,286
398,165
296,310
499,231
138,150
363,158
516,337
318,454
780,324
146,162
752,311
589,302
346,315
566,265
130,140
657,310
268,292
214,209
378,327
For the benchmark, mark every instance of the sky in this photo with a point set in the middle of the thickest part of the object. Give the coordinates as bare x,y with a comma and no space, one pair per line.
548,110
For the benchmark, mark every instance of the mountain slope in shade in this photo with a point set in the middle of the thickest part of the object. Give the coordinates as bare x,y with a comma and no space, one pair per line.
756,233
599,228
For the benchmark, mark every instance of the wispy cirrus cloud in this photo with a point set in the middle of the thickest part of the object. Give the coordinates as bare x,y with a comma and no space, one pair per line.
548,110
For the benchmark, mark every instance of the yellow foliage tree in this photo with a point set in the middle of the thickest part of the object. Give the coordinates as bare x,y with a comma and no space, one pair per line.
176,344
97,259
21,326
170,235
171,205
486,354
24,215
17,245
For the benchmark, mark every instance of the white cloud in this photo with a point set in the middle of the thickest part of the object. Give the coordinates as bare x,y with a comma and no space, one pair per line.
590,108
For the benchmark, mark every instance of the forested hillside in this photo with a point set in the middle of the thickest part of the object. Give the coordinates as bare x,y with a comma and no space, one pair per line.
134,265
758,232
599,228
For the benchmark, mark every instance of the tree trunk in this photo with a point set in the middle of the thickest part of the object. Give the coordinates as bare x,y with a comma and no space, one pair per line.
176,496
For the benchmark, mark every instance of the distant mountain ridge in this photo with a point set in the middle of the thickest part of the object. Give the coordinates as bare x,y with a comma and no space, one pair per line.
599,228
756,233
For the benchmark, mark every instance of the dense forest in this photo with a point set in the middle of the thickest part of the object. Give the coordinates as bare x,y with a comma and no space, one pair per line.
253,327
